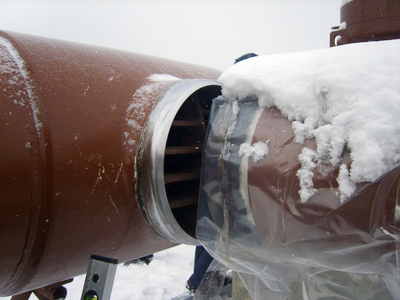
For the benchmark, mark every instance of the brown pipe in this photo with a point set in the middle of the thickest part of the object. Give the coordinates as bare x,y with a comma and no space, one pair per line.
72,121
252,217
367,20
373,205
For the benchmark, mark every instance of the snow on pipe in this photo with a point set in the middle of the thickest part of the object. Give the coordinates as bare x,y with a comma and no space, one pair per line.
84,134
286,205
103,150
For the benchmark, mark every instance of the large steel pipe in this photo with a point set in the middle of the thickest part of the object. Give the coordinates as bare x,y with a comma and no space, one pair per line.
365,219
252,218
74,121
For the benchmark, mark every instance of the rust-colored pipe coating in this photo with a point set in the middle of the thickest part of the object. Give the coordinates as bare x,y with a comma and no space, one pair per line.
367,20
273,194
72,117
252,218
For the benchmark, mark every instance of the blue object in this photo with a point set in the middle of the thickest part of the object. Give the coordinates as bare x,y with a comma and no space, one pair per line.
202,261
245,56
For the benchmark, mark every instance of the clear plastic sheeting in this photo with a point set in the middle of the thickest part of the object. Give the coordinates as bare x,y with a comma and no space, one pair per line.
212,285
252,220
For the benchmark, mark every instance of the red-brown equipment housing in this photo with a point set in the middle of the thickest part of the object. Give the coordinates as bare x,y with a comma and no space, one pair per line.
367,20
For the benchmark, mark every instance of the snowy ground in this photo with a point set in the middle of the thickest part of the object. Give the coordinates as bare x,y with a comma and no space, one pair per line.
164,278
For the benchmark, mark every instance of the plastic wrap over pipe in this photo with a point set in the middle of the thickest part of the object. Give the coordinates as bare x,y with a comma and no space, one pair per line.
72,121
251,217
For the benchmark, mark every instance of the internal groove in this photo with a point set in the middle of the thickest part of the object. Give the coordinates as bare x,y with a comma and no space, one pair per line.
182,162
183,153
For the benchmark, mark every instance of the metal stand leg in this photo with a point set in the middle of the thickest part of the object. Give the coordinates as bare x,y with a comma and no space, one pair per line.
24,296
99,278
54,291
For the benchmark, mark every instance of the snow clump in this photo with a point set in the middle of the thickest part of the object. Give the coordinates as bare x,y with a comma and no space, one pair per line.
346,98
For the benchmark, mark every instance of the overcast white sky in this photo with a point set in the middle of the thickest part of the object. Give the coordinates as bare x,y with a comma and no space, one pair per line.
206,32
